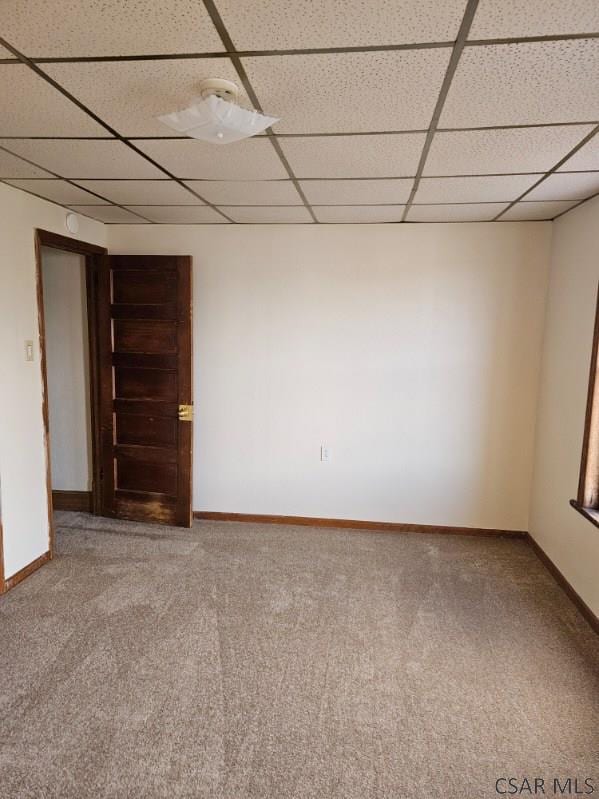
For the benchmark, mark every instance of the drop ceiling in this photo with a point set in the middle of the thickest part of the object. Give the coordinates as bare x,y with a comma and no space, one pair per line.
391,111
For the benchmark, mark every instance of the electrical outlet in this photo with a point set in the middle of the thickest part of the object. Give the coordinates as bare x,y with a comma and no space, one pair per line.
29,350
325,453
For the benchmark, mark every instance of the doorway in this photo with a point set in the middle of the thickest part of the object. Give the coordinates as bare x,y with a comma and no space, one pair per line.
118,405
67,363
65,270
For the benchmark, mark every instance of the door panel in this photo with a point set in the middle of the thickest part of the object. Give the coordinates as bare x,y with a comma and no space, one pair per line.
145,336
156,478
151,431
144,333
137,288
146,383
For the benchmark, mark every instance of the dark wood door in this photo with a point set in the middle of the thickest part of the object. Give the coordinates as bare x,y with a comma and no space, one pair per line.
145,387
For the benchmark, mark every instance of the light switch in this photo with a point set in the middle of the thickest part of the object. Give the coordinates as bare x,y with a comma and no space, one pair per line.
325,453
29,350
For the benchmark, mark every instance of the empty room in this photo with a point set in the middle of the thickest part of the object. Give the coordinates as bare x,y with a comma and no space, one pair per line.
299,407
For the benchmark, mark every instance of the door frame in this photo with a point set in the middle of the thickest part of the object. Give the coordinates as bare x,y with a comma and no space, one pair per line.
45,238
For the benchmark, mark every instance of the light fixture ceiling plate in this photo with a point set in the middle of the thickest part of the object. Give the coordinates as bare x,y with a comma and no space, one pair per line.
225,89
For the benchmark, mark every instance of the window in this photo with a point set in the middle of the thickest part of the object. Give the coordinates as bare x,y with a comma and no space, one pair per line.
587,501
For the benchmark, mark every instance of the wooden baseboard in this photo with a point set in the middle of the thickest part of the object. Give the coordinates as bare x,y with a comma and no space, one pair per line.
72,500
25,572
354,524
573,595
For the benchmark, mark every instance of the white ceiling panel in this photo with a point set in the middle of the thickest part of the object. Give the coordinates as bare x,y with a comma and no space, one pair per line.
467,212
13,167
536,210
252,159
247,192
359,214
506,19
57,190
32,107
85,159
566,186
261,214
357,192
523,84
585,158
142,192
111,27
341,92
111,214
129,95
180,214
354,156
483,152
504,188
281,24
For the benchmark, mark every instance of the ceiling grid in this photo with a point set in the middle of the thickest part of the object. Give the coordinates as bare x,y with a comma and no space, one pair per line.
410,111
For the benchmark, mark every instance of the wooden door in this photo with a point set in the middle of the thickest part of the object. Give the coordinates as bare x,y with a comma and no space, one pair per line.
145,387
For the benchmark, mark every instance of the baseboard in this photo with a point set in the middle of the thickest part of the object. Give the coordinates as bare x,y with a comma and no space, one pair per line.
354,524
72,500
25,572
569,590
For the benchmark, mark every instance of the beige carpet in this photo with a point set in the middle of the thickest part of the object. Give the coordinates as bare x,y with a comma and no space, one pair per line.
236,660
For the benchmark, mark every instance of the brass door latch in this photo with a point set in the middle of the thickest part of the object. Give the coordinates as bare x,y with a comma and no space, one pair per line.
185,413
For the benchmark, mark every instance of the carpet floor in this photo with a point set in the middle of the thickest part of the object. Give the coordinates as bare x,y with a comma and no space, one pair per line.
238,660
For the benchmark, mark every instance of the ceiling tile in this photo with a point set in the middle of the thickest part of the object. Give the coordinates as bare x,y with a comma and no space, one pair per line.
85,159
4,53
585,158
129,95
358,192
536,210
247,192
110,214
57,190
566,186
467,212
523,84
13,167
37,109
359,213
261,214
251,159
482,152
111,27
373,156
342,92
505,19
142,192
180,214
339,23
473,190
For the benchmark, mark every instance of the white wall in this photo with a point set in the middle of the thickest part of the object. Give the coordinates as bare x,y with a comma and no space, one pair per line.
22,460
571,541
67,364
412,351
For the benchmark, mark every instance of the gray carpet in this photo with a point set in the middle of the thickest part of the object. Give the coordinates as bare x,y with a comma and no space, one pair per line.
236,660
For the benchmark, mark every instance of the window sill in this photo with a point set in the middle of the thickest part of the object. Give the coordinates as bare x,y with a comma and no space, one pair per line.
589,513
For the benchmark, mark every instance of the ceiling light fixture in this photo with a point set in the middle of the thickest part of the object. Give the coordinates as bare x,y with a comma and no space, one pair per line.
216,117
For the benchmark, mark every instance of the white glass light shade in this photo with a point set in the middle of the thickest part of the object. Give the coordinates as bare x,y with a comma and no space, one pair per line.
218,121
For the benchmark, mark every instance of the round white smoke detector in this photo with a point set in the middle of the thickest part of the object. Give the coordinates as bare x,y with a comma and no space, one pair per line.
225,89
